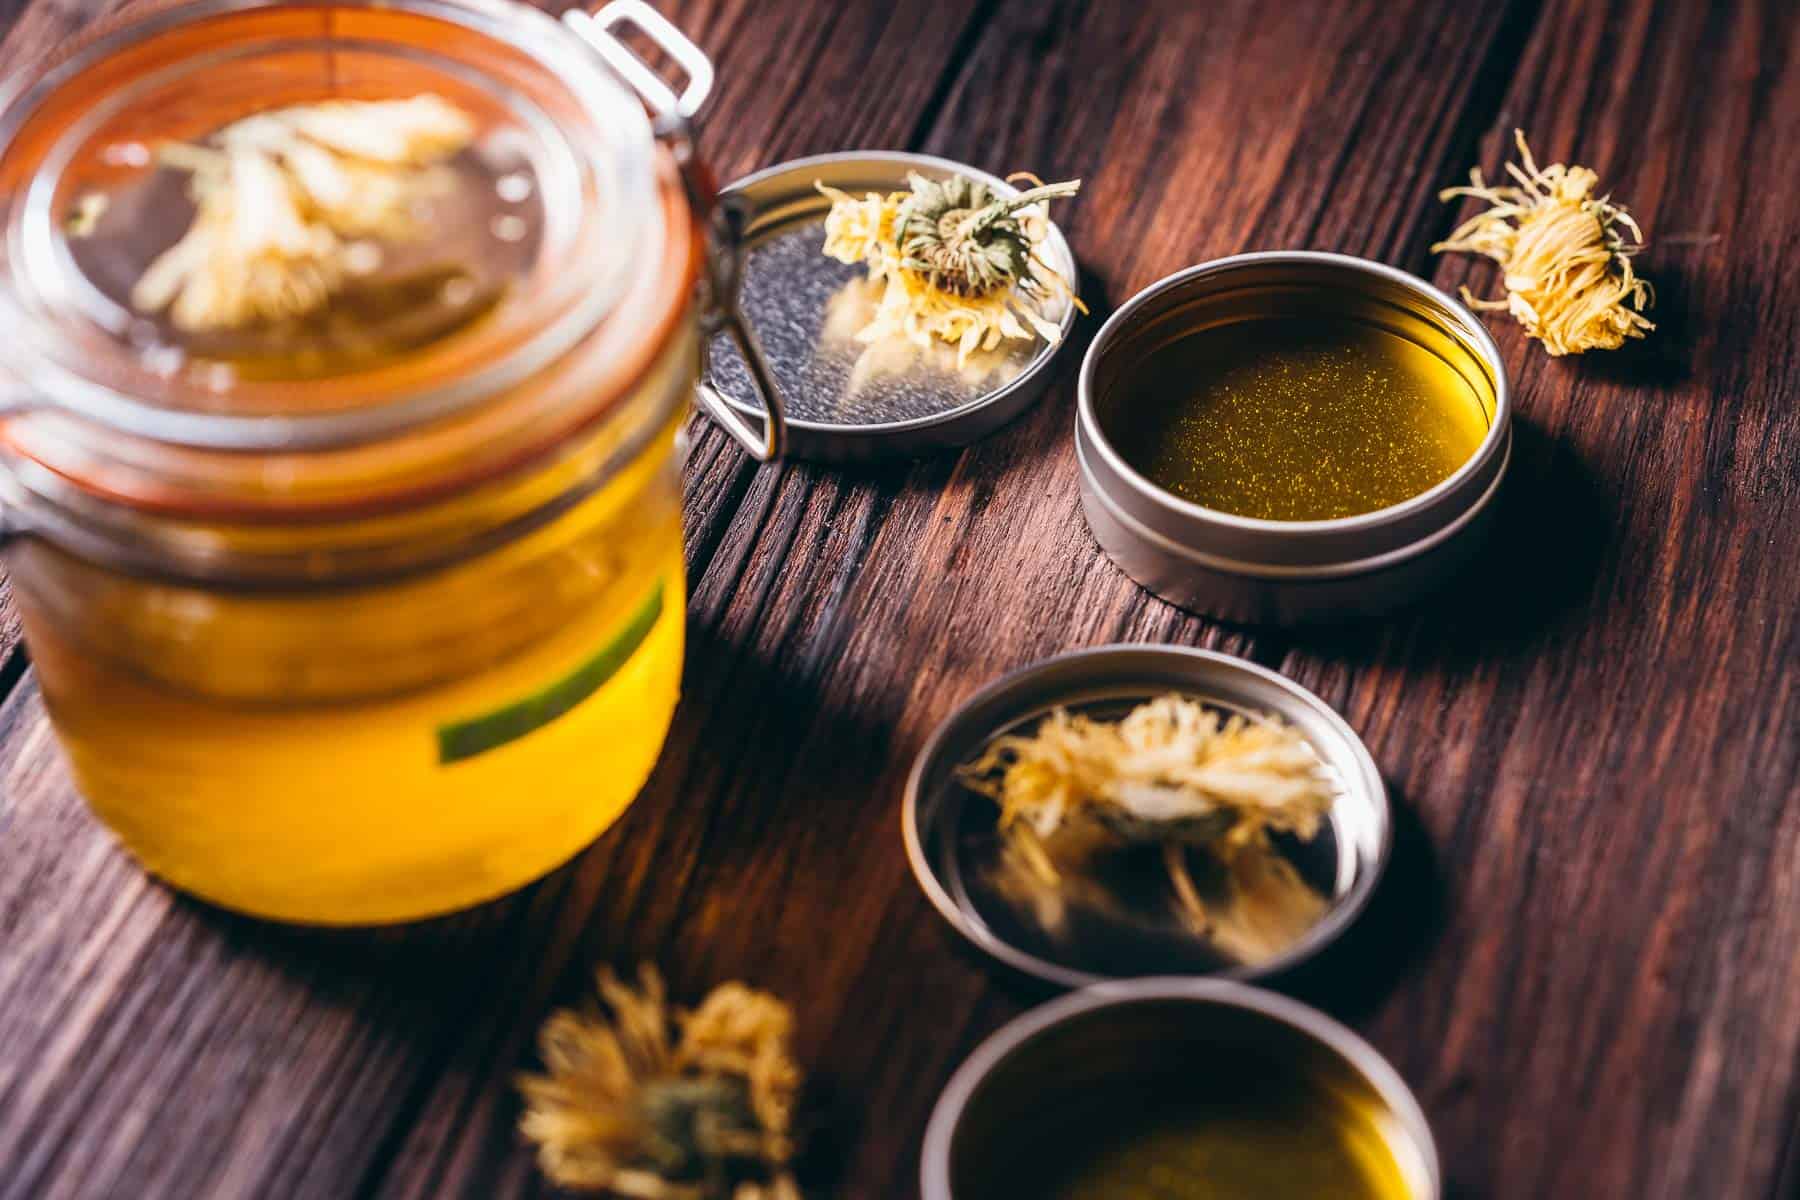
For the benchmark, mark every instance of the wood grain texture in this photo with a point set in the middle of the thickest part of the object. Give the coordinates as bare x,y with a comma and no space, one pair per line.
1584,958
1601,735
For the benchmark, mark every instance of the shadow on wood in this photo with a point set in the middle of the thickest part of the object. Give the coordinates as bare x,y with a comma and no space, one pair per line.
1529,583
1352,977
1664,357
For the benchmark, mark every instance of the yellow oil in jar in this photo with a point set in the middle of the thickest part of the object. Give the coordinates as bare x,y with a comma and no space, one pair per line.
1298,418
379,753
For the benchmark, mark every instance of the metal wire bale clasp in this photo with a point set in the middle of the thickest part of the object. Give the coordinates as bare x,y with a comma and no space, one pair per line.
598,30
720,313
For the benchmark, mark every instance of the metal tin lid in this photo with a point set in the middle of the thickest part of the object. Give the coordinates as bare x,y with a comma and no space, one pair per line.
847,401
954,849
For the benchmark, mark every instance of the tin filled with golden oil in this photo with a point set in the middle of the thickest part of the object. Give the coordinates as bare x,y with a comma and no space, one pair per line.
1167,1089
1291,437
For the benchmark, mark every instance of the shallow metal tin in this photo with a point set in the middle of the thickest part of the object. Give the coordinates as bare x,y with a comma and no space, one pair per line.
1108,1040
1283,572
951,840
846,402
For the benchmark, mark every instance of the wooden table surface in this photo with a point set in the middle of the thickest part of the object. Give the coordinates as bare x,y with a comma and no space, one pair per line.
1586,958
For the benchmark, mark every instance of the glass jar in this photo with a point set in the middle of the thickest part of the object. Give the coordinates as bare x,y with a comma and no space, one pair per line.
365,608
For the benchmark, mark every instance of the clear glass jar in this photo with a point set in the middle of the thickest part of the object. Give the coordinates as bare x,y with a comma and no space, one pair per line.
376,611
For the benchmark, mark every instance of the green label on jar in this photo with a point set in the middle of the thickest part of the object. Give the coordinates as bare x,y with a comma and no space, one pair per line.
509,722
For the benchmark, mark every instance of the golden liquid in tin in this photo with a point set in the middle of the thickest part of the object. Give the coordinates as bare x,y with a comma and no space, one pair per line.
1237,1134
1298,418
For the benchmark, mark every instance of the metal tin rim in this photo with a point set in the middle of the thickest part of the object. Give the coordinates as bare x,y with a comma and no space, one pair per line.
934,1169
1498,427
1339,917
1025,378
1310,572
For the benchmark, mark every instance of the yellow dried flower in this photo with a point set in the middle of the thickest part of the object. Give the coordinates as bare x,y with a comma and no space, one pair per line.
1567,267
1270,906
281,198
956,263
860,229
1171,768
661,1104
1174,773
398,133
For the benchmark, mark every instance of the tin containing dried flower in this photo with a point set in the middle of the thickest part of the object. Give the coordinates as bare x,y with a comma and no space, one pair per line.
905,303
1177,1087
1146,810
1293,437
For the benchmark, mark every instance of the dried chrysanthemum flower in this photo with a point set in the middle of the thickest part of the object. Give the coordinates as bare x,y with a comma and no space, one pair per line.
1172,769
965,239
250,253
1567,266
860,229
282,199
1268,905
399,133
1173,773
957,262
662,1104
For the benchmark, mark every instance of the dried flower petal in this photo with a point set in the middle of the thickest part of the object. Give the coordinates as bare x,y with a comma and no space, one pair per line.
1567,267
399,133
282,199
1172,772
1172,765
1270,908
956,262
667,1105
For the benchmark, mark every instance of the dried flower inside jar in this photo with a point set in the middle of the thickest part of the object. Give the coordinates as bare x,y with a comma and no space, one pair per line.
288,204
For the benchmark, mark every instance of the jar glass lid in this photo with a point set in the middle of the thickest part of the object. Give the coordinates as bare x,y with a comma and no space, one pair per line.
276,225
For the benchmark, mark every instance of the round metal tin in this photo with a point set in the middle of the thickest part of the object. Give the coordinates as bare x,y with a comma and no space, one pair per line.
954,848
847,402
1112,1040
1254,571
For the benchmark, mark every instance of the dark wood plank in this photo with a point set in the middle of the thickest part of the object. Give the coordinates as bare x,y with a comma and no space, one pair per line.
316,1061
1599,733
836,616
